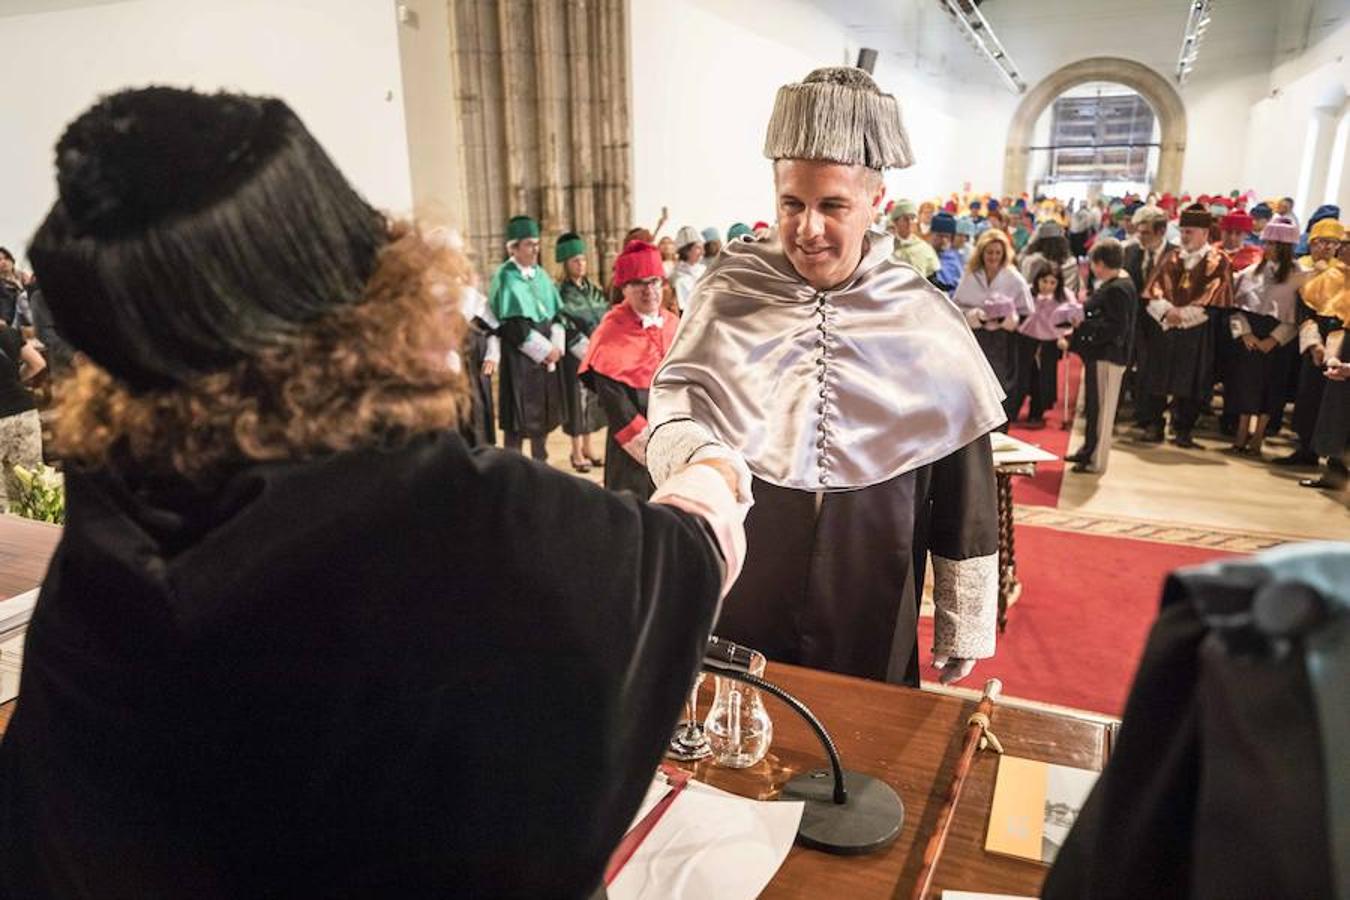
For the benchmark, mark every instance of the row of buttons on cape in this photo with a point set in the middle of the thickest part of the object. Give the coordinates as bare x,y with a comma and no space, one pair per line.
824,341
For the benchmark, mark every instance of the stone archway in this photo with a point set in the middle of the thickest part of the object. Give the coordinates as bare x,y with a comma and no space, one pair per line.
1151,86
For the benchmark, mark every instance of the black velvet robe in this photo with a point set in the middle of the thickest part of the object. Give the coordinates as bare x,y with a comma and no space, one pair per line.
832,581
482,424
531,395
1220,785
388,673
622,403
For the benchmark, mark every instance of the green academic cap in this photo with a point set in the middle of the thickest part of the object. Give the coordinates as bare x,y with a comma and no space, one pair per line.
522,227
737,230
569,245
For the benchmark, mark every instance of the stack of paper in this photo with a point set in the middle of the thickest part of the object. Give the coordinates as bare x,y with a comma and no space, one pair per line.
710,845
14,615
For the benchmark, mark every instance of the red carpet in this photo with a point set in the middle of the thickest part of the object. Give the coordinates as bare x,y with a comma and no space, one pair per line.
1076,635
1042,489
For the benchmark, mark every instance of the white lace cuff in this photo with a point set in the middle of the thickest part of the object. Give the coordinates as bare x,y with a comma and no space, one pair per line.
1158,309
1193,316
965,596
1308,336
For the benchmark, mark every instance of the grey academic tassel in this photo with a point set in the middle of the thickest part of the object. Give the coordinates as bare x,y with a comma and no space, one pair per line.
838,114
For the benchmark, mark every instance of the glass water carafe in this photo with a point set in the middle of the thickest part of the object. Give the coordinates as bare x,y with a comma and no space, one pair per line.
738,726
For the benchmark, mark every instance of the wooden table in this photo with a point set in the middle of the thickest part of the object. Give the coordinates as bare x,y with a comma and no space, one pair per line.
910,739
1012,458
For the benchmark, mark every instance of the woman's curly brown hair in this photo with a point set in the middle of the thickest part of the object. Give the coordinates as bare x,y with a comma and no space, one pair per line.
375,372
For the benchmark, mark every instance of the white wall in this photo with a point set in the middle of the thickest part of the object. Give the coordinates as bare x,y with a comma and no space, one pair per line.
1314,84
335,62
704,75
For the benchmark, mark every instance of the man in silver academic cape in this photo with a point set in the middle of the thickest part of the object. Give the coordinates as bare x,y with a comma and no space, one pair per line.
857,397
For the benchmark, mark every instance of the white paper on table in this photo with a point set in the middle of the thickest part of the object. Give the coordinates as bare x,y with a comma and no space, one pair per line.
14,615
17,610
710,845
973,895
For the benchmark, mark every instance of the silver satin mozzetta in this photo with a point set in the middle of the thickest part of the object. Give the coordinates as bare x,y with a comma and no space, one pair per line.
826,390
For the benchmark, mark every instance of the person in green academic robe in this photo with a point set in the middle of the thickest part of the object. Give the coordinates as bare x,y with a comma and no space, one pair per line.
525,302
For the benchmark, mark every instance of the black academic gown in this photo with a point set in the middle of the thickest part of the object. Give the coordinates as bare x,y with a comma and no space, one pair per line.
531,395
1255,383
1232,745
802,598
1139,265
388,673
482,424
622,403
1311,381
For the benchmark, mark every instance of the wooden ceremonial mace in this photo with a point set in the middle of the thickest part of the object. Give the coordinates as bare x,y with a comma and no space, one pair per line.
978,736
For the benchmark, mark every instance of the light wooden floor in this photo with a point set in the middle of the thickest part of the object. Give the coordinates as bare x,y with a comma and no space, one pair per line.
1167,484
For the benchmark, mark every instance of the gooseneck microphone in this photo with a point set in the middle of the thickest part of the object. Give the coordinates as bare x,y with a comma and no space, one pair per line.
851,815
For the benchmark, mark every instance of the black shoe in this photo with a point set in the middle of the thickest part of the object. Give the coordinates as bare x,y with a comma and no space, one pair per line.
1297,458
1186,442
1086,468
1152,435
1079,457
1323,483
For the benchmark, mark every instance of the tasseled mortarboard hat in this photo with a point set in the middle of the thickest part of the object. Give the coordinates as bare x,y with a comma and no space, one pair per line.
569,244
838,114
638,262
687,236
1196,216
1280,229
1149,215
521,227
1325,211
192,230
903,207
943,223
1237,220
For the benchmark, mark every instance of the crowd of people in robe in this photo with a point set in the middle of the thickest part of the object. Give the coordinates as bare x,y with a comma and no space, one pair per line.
1180,308
295,578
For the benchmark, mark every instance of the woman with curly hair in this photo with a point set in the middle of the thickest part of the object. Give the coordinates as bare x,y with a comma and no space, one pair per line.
294,625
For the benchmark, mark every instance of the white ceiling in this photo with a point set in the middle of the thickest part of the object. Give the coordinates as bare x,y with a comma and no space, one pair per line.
25,7
1042,35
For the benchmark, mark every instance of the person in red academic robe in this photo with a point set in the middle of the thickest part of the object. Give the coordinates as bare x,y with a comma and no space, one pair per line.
624,354
1190,288
1234,229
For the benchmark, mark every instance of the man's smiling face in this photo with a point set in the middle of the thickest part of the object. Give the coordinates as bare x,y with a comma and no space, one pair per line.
824,211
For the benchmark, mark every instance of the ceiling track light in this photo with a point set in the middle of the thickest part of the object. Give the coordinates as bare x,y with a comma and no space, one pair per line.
1198,20
975,29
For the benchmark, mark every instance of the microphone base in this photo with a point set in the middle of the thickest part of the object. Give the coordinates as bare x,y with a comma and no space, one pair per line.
868,822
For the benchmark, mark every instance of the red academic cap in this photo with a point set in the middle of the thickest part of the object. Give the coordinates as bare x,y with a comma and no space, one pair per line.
1240,220
758,225
639,260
